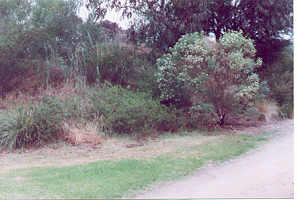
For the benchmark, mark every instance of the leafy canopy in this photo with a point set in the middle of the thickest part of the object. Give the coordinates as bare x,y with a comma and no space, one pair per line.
161,23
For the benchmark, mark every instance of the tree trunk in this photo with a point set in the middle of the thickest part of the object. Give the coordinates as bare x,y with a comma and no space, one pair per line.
222,120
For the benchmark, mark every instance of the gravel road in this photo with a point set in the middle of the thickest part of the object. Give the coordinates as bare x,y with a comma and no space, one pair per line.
266,172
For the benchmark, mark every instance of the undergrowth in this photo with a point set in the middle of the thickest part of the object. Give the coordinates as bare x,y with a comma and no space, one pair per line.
32,124
127,112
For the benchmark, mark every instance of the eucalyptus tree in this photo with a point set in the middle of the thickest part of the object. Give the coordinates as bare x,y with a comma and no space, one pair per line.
161,23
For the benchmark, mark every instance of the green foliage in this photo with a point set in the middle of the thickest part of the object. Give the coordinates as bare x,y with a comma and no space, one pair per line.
202,115
59,20
42,32
125,111
145,81
262,21
75,107
101,62
14,12
13,20
161,23
201,71
108,62
39,36
279,75
32,125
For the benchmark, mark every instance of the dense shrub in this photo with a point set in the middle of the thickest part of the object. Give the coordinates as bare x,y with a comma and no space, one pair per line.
125,111
145,81
32,125
198,71
279,75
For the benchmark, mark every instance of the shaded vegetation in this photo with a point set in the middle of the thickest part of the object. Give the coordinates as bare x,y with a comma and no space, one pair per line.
279,75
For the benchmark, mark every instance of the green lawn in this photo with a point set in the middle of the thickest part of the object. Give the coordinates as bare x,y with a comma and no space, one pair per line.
114,179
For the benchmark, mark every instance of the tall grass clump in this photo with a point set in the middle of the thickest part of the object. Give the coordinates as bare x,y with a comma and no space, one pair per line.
127,112
32,125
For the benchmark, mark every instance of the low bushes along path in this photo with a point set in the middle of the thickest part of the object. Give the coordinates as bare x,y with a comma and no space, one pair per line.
266,172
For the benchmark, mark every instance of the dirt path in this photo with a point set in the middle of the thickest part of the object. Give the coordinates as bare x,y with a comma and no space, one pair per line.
266,172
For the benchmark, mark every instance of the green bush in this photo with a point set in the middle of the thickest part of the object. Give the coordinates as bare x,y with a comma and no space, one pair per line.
32,125
198,71
145,81
127,112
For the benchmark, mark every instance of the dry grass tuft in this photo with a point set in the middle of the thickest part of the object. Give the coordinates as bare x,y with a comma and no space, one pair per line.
269,109
83,134
34,94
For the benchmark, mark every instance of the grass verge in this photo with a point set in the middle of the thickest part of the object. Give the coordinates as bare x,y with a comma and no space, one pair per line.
115,179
